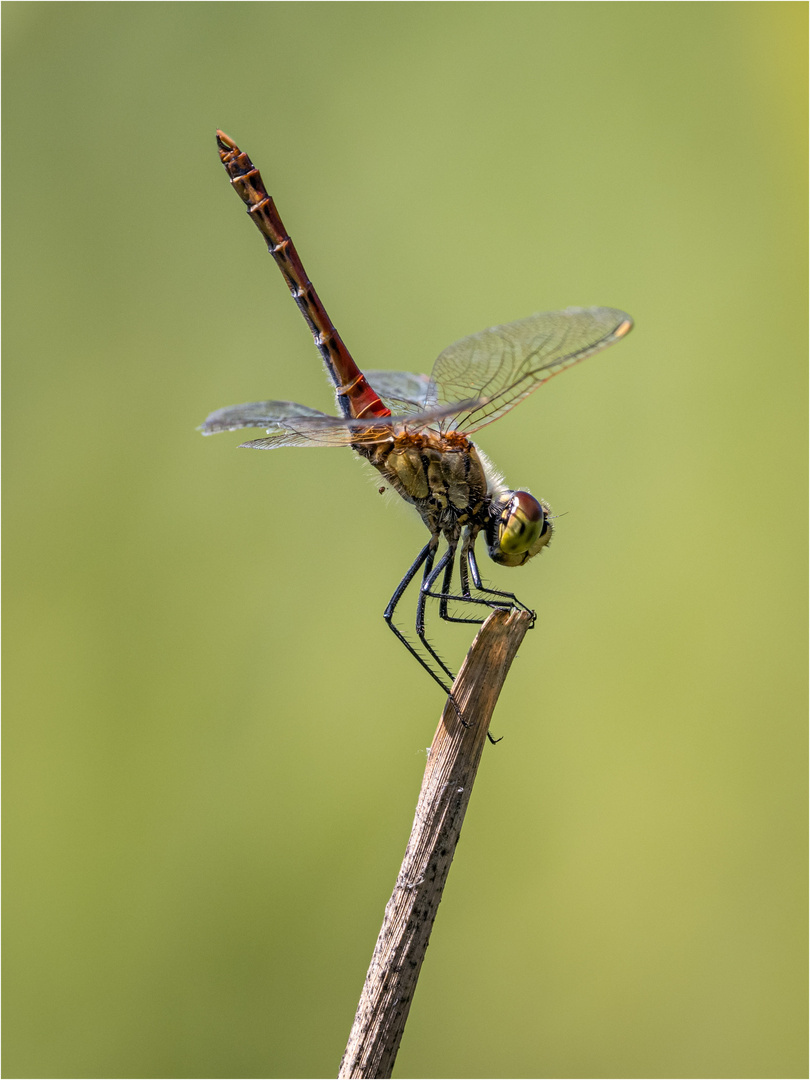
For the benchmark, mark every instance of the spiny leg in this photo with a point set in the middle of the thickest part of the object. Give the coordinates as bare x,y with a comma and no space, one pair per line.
426,555
448,580
465,598
513,600
445,595
428,579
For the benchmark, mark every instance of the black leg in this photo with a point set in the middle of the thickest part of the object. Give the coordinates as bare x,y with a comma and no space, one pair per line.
426,555
428,580
448,580
430,575
513,600
465,598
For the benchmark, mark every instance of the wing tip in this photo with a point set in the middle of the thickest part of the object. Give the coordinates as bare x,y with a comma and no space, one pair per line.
624,327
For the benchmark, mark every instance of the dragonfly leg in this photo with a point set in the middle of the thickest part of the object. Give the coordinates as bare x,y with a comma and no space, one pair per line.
466,597
425,556
445,595
430,575
448,580
513,600
428,580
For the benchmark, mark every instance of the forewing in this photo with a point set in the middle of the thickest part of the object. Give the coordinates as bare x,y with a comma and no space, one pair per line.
290,424
320,430
336,431
503,365
254,414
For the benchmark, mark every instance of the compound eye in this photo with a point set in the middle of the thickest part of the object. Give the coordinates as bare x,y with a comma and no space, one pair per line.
522,524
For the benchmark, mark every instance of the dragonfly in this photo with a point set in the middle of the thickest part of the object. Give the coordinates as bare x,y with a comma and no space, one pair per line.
414,429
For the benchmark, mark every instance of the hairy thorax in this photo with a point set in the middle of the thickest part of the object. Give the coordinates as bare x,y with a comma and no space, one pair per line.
441,475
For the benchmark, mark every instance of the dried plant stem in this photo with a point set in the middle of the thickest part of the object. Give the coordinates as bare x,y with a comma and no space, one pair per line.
451,769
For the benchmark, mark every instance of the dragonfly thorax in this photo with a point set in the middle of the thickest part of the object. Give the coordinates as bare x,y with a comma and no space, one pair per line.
454,487
441,474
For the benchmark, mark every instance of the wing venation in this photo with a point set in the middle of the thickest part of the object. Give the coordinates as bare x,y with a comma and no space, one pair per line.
504,364
254,414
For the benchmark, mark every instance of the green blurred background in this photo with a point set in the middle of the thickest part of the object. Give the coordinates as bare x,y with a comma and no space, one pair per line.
213,746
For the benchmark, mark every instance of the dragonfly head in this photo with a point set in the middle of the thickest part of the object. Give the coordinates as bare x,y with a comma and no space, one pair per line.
519,528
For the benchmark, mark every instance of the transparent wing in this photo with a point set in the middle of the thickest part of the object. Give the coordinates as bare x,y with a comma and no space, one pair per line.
319,431
254,414
503,365
402,391
289,424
